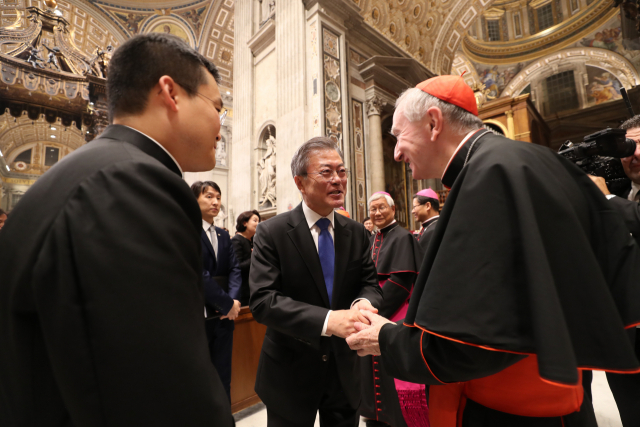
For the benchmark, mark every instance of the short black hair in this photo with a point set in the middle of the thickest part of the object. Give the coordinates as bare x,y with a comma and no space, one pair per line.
435,203
244,217
633,122
2,212
138,64
199,187
366,219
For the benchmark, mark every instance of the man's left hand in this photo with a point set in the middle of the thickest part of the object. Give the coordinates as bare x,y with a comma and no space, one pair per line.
365,342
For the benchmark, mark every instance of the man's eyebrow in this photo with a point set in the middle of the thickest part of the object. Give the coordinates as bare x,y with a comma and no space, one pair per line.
393,131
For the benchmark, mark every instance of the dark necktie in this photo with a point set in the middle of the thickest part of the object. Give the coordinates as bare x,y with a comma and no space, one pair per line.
327,254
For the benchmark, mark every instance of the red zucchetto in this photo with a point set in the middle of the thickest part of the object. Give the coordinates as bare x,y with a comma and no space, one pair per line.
451,89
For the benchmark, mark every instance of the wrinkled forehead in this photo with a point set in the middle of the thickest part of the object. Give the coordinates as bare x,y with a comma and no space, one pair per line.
634,133
326,157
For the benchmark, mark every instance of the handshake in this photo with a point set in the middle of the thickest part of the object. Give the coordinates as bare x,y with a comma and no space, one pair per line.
360,325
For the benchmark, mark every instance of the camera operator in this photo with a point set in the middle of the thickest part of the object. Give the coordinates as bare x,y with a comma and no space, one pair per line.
626,388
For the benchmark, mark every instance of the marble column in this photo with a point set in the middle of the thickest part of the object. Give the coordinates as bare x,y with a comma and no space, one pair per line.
240,152
291,119
374,108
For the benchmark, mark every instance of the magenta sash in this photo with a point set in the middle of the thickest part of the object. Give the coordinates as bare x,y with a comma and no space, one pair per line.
412,397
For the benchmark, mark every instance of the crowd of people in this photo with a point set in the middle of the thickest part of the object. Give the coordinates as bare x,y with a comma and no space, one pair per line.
119,308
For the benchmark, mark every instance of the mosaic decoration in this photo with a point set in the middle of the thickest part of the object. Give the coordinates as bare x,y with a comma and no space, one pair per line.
359,166
332,87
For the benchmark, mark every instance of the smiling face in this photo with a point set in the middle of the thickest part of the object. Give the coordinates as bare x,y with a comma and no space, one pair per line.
417,144
381,213
251,225
631,164
320,194
209,202
420,212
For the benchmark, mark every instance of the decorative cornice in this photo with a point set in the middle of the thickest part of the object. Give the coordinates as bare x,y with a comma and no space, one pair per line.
265,36
543,43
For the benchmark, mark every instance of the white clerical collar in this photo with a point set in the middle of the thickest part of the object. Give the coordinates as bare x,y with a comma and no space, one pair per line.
634,190
206,225
464,140
312,216
161,146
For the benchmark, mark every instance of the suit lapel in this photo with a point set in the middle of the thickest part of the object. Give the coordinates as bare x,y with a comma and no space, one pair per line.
207,243
300,235
342,243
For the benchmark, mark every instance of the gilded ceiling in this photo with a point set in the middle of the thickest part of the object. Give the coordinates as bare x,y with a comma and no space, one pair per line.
206,25
429,30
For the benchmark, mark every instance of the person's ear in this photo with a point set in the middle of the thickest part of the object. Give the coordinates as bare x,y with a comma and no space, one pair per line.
435,122
168,93
299,184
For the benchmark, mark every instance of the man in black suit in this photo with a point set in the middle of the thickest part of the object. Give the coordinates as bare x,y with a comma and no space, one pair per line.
101,306
311,274
222,280
626,388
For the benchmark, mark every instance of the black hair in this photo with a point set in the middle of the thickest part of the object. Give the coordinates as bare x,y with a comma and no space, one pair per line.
138,64
2,212
245,217
633,122
366,219
435,203
199,187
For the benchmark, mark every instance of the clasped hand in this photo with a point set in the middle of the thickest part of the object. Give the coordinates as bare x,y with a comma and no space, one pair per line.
365,339
342,322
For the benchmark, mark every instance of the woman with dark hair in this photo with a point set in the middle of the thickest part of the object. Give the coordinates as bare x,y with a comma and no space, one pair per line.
243,244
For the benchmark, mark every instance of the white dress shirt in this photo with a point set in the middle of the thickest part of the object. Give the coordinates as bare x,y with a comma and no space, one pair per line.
312,217
634,190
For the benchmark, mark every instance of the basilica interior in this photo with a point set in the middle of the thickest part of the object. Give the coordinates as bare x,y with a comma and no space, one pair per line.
543,71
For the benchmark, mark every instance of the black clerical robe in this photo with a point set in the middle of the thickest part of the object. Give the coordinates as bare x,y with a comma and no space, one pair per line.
530,269
426,233
396,254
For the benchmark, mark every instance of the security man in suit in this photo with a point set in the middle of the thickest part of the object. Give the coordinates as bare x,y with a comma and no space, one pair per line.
222,281
101,306
311,274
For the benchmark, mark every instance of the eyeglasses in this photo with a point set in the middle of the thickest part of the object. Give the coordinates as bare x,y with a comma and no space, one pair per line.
382,209
327,174
223,115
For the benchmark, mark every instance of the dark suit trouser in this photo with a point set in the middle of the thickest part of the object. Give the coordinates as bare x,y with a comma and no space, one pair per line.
220,339
625,389
334,409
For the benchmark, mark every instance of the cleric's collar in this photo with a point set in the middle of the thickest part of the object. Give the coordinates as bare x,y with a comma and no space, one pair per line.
389,227
457,162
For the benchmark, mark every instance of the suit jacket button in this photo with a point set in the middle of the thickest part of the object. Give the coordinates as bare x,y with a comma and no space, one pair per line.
325,357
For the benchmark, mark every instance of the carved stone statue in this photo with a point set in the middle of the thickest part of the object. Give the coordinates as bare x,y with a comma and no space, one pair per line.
52,58
34,58
268,9
267,174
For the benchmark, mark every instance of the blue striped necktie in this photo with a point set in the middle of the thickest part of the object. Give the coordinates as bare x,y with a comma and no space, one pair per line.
327,254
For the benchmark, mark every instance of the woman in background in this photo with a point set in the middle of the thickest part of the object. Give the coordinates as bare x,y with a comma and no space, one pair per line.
242,243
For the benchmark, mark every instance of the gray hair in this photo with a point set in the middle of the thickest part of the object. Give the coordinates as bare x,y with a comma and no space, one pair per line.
300,160
413,104
377,196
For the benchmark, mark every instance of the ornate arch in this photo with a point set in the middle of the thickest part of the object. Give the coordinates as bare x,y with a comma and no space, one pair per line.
431,31
546,66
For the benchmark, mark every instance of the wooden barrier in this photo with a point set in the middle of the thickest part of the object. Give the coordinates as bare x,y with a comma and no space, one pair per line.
247,342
